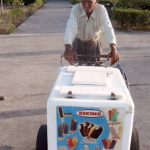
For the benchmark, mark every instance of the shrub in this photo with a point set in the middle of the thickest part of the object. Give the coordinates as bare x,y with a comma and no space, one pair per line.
28,2
74,1
5,24
138,4
104,2
132,18
12,2
14,17
17,16
141,4
39,3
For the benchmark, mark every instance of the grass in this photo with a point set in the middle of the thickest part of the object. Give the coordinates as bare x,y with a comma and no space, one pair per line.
12,16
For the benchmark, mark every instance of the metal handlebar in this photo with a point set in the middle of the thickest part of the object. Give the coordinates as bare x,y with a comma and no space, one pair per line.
99,63
92,60
89,60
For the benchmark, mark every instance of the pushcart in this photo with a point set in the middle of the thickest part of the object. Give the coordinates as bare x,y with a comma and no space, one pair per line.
89,108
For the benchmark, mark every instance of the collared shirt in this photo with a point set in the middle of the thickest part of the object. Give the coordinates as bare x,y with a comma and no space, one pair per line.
85,29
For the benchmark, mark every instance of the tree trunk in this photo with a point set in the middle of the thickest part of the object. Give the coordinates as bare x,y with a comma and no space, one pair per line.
2,10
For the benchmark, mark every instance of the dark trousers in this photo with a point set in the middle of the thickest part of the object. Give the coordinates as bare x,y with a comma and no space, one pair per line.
88,50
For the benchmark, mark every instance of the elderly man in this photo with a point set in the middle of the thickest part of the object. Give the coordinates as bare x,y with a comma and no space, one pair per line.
88,21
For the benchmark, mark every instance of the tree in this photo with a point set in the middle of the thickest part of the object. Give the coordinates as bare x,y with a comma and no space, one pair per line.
2,9
12,2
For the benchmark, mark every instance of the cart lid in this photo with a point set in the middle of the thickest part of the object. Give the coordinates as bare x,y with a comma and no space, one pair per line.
89,77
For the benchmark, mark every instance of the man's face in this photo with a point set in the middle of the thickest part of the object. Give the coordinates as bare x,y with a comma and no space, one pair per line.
88,5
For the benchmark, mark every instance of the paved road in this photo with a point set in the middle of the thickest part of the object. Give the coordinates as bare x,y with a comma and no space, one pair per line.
29,63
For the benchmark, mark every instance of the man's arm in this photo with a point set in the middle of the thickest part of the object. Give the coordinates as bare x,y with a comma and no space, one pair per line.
113,54
69,54
70,34
110,37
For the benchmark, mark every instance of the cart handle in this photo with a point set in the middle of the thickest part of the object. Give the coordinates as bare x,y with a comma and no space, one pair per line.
96,62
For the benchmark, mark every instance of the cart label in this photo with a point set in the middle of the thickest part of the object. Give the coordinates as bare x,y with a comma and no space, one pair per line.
90,113
84,128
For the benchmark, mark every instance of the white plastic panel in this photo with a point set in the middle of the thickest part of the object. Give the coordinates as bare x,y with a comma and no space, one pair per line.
90,77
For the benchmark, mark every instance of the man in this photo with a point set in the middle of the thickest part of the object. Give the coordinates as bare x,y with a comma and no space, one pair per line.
88,21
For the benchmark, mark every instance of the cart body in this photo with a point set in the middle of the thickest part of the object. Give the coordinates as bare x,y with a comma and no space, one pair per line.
89,108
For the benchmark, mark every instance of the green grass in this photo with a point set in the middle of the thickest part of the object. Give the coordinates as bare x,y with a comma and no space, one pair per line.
14,16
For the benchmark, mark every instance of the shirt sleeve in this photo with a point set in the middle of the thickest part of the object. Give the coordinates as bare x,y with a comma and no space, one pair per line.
72,27
107,28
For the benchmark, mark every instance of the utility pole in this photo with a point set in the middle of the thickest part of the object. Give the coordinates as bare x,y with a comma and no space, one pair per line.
2,9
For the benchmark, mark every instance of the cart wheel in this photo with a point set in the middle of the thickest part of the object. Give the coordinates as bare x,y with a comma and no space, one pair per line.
41,141
135,140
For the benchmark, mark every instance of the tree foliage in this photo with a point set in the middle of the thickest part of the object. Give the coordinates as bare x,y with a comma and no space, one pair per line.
18,2
12,2
28,2
137,4
132,18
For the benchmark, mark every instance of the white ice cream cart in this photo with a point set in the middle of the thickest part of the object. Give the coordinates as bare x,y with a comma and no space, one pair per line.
89,108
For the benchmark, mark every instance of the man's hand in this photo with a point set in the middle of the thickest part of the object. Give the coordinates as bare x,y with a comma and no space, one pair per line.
69,54
113,54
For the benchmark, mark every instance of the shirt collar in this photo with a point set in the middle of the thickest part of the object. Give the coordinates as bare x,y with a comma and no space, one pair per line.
83,13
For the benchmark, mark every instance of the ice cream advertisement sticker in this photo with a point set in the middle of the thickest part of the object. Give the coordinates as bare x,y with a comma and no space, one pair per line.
81,128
